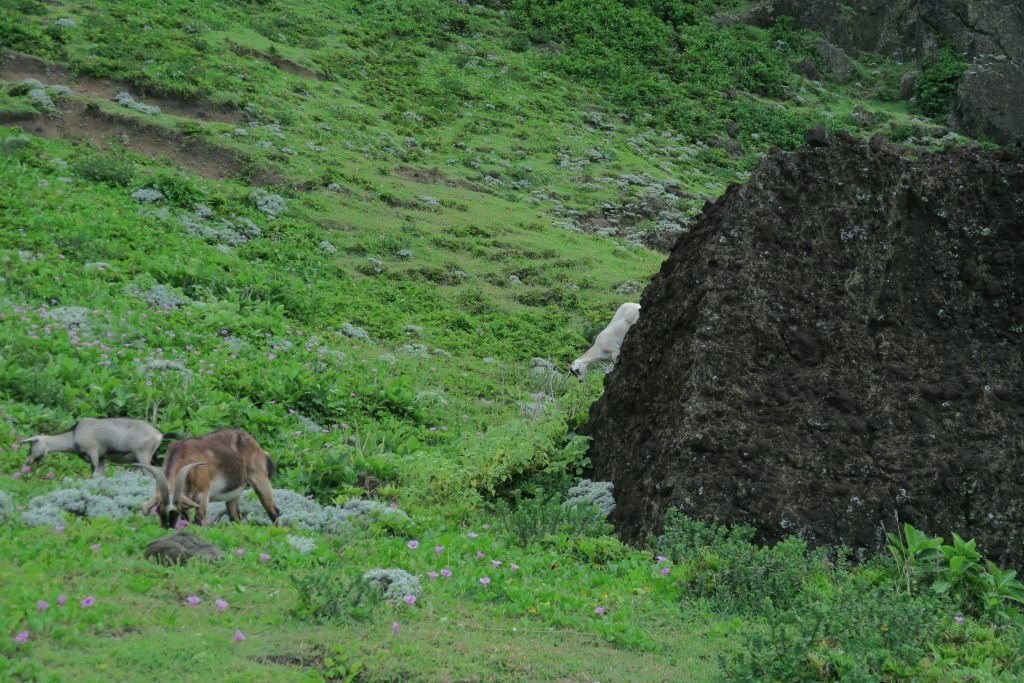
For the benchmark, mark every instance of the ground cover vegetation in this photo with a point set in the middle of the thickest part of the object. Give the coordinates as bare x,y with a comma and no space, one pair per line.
374,234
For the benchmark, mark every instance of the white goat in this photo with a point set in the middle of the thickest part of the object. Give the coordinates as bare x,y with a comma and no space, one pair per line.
608,342
118,439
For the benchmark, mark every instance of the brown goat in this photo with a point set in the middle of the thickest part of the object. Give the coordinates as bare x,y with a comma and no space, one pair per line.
216,466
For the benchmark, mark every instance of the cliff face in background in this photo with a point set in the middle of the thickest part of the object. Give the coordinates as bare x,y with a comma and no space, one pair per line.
990,98
837,343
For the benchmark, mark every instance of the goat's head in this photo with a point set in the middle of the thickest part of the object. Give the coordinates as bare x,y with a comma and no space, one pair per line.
37,448
171,503
578,368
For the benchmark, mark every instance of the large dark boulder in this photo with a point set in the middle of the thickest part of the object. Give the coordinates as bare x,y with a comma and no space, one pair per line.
989,34
838,344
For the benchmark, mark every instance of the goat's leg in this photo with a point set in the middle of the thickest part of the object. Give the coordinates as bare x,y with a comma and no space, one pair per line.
234,514
262,486
95,462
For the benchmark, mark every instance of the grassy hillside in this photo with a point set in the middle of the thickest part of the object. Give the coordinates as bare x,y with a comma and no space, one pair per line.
351,228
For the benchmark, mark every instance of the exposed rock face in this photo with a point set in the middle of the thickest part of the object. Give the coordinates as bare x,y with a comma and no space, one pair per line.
180,548
989,32
834,344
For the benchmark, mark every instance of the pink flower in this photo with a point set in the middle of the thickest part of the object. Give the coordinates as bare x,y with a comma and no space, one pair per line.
240,552
479,555
221,604
88,601
484,581
665,571
513,566
446,573
51,475
22,637
410,600
438,549
42,605
180,524
394,628
193,600
413,545
95,547
432,575
660,558
61,599
264,558
25,469
495,563
17,475
599,610
239,636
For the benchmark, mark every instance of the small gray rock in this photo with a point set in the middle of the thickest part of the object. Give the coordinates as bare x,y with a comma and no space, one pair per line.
180,548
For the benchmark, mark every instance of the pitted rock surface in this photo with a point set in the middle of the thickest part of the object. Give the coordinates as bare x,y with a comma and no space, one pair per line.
837,344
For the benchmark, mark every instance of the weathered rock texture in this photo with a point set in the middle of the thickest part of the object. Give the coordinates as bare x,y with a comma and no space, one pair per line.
181,548
990,33
836,343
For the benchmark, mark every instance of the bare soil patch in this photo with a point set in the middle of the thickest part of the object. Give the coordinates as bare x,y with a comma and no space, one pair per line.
433,176
17,67
277,60
88,123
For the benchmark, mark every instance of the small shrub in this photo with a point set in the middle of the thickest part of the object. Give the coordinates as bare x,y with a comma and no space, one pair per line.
114,171
326,596
533,518
723,565
937,82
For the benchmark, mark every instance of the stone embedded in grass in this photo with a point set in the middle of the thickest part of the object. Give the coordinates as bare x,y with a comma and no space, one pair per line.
327,247
415,350
126,100
65,22
163,364
181,548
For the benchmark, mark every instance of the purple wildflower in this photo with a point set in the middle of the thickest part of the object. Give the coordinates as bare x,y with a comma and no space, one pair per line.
239,636
438,549
61,599
484,581
446,573
410,600
221,604
394,628
599,610
432,575
42,606
264,558
193,600
413,545
88,601
22,637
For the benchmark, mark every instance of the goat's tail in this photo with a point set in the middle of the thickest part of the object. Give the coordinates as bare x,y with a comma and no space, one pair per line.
173,435
271,468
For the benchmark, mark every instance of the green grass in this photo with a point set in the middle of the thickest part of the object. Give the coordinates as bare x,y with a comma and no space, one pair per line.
436,162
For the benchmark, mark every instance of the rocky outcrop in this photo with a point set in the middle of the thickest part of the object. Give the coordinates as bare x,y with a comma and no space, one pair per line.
835,345
989,33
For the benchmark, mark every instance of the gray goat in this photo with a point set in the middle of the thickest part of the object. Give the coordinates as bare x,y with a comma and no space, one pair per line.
118,439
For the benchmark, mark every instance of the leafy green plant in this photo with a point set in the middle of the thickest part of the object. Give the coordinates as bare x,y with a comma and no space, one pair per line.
344,596
937,81
529,519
